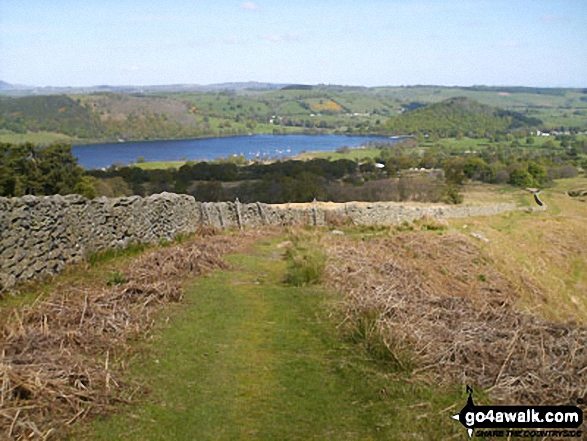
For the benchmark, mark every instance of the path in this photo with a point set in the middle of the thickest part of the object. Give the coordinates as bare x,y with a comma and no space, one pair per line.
248,357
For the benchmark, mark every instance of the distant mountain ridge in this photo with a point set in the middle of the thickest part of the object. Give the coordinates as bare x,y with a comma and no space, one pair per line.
4,86
20,90
23,90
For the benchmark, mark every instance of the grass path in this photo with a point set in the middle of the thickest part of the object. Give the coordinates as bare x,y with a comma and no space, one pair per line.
247,357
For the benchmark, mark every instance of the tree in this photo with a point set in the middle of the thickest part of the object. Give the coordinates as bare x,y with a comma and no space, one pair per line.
32,169
209,192
59,169
521,178
454,171
453,194
87,187
538,172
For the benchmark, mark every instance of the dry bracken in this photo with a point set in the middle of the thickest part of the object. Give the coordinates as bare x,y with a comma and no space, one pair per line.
62,358
442,297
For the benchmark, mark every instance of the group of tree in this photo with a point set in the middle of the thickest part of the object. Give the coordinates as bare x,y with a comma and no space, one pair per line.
57,113
456,116
27,169
31,169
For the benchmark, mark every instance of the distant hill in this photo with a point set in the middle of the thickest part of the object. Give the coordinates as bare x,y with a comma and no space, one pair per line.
7,87
18,90
458,115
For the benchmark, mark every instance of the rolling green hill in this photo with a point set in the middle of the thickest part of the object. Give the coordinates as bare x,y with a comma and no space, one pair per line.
458,115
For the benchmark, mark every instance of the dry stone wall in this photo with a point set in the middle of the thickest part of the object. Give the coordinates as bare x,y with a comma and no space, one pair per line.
40,235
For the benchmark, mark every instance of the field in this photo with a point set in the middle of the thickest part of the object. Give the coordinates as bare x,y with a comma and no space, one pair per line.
35,137
355,154
289,336
159,165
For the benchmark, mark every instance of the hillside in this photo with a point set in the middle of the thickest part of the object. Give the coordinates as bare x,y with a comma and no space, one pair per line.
57,114
107,113
307,331
458,115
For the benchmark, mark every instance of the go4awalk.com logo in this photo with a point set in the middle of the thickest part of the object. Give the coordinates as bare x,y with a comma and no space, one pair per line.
520,421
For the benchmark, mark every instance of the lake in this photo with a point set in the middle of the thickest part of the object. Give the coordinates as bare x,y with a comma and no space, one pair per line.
254,146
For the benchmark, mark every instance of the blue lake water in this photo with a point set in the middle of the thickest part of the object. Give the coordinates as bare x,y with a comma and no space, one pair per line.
256,146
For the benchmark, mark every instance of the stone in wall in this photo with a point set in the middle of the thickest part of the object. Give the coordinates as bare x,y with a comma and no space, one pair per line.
40,235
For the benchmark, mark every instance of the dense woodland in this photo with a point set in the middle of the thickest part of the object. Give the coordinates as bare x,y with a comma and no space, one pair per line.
38,170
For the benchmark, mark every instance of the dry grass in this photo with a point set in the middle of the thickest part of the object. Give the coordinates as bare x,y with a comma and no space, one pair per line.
478,193
543,254
62,358
445,301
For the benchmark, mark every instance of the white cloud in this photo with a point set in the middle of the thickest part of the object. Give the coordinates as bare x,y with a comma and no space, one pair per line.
229,39
132,68
250,6
552,18
282,38
508,44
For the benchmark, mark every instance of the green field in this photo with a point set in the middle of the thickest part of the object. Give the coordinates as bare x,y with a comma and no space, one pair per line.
356,154
159,165
35,137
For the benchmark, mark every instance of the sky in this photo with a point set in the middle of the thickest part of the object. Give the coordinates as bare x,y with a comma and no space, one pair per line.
347,42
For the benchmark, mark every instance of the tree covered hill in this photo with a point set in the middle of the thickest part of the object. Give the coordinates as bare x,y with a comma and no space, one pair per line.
58,113
456,116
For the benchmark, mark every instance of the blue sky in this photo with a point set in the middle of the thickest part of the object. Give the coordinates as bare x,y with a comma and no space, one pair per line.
367,42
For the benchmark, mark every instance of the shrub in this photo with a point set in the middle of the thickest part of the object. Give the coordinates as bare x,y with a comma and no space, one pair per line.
305,261
562,171
521,178
453,194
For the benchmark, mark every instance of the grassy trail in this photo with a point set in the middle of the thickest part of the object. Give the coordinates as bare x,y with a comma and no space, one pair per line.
247,357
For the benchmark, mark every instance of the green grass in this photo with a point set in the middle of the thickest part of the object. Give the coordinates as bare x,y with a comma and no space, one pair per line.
248,357
34,137
355,154
161,165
